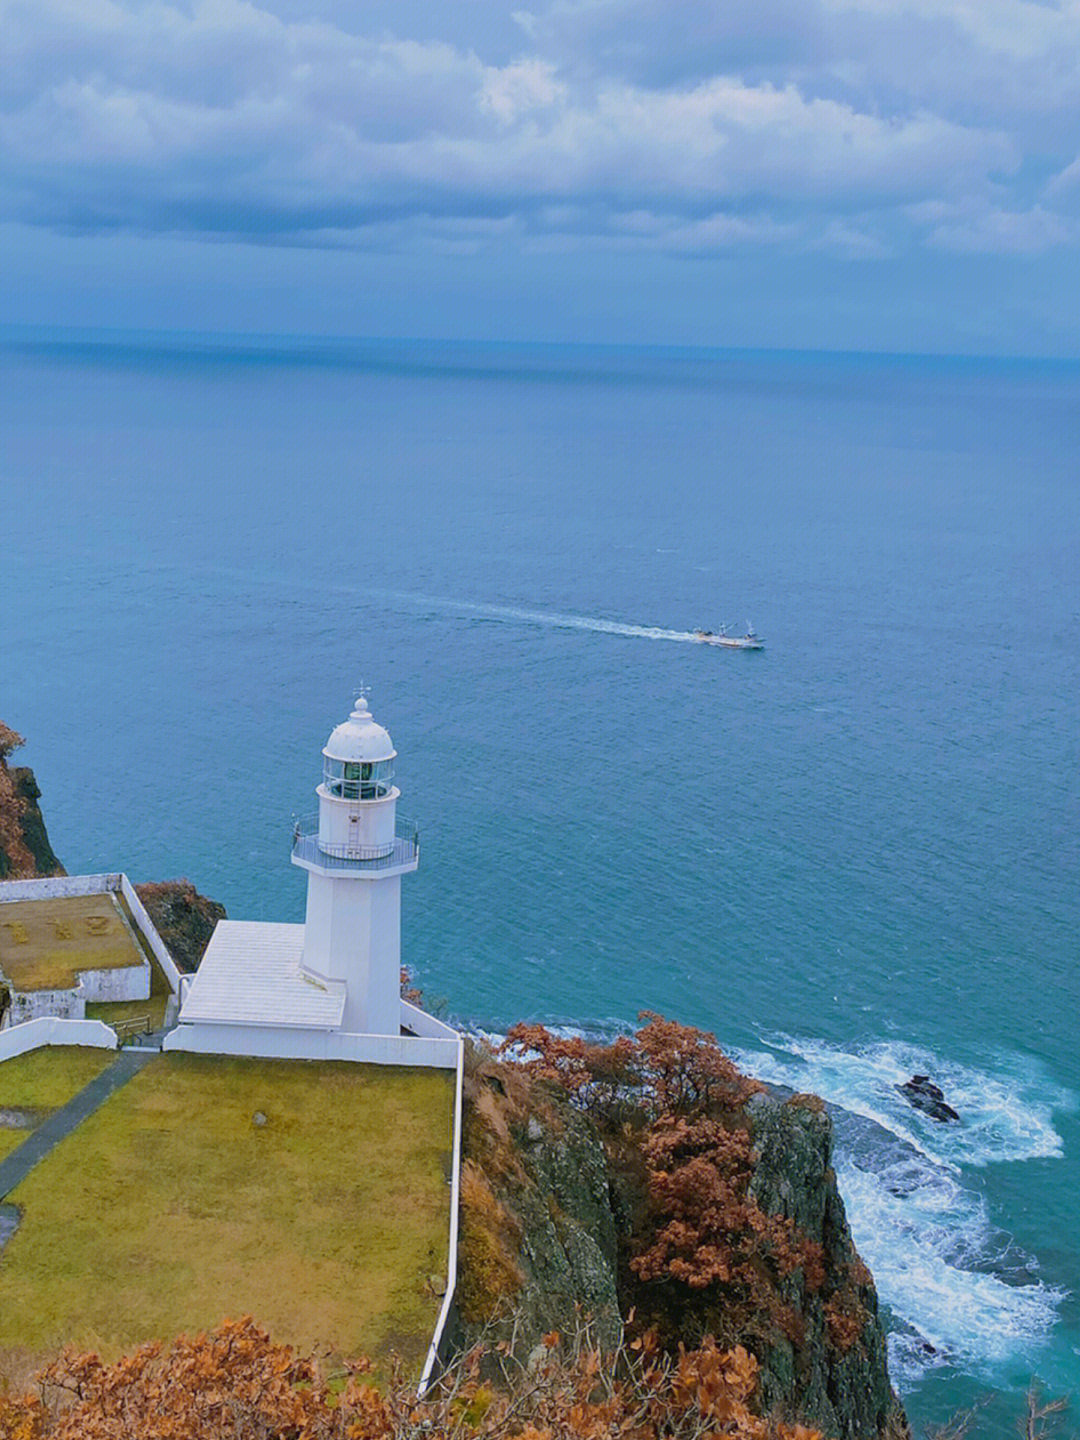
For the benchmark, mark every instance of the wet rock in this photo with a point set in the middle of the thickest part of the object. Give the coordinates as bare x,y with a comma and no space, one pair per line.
921,1092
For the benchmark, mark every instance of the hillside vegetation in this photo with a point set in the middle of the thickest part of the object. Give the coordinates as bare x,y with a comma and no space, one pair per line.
651,1186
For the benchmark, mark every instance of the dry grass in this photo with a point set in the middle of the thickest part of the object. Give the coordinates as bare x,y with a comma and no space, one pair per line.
43,1080
49,1077
45,943
115,1012
11,1139
169,1209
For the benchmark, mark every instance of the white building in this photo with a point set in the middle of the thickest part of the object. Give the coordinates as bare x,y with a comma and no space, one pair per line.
68,941
330,988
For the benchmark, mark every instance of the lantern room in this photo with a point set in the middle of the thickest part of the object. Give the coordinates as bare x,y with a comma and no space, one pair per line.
358,759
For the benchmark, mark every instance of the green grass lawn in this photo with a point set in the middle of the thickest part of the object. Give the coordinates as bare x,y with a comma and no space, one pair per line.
43,1080
46,1078
170,1209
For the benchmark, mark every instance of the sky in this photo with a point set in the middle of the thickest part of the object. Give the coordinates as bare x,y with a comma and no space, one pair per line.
823,174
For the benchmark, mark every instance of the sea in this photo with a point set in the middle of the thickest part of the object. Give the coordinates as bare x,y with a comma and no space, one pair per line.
853,856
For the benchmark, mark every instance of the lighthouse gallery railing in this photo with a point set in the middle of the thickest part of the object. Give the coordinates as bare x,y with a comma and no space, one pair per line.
405,848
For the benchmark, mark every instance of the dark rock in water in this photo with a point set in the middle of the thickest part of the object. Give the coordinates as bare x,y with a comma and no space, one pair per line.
921,1092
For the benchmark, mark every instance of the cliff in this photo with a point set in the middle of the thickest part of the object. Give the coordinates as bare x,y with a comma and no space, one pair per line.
559,1224
25,851
183,918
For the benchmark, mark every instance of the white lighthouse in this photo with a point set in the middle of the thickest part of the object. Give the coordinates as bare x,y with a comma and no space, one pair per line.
329,989
355,856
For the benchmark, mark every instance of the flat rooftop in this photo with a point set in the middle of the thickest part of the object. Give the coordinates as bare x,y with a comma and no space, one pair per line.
44,944
172,1207
250,975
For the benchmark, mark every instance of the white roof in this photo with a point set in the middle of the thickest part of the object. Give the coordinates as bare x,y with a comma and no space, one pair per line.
250,975
359,738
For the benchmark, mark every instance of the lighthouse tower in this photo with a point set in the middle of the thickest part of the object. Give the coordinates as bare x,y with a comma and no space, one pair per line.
355,859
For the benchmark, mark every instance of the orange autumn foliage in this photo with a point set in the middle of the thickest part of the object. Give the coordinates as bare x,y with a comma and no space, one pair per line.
695,1147
235,1382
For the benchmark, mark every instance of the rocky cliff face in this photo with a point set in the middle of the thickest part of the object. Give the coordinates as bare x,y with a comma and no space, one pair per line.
183,918
539,1239
25,852
833,1370
548,1220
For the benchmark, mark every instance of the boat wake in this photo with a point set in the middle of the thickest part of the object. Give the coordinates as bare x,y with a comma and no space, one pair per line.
552,618
958,1290
508,614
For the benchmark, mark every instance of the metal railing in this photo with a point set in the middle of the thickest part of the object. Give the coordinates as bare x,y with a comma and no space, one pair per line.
403,850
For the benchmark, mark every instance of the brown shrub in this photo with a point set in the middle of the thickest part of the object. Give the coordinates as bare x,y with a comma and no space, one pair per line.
235,1381
489,1239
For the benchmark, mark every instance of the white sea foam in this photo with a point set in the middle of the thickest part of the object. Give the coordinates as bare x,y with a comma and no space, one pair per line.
1006,1115
958,1290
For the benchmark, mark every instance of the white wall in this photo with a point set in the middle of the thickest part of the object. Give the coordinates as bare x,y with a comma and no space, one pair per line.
357,823
352,932
32,1036
132,982
292,1043
421,1023
153,939
27,1005
129,983
59,886
432,1359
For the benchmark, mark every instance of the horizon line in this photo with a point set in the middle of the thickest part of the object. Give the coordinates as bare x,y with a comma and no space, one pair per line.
305,347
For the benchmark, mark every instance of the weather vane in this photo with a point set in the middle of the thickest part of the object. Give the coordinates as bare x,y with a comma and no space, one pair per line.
362,691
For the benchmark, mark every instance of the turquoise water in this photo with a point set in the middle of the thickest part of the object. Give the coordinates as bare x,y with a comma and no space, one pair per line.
853,856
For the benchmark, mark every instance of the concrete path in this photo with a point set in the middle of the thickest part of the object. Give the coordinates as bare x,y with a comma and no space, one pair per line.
15,1167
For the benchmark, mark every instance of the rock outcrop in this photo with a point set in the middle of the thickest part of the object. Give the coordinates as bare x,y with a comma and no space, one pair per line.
183,918
833,1371
539,1242
25,852
549,1217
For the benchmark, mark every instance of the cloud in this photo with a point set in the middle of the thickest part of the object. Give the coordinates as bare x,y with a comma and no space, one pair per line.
762,123
993,230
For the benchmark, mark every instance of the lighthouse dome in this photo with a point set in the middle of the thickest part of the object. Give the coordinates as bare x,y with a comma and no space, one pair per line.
359,738
358,759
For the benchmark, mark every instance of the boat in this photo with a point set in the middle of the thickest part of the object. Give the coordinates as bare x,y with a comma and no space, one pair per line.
749,641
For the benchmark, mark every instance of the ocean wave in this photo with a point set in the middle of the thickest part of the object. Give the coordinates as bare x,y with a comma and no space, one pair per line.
1006,1114
958,1291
